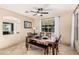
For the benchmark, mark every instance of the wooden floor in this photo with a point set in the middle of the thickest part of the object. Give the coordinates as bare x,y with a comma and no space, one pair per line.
20,49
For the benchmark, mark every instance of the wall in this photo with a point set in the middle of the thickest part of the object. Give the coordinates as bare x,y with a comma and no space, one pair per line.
8,40
37,24
65,27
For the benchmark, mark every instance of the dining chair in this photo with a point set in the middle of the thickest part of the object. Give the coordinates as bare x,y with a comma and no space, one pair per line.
41,34
48,34
57,44
29,34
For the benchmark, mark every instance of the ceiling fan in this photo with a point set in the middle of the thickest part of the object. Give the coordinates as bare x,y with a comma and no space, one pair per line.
39,11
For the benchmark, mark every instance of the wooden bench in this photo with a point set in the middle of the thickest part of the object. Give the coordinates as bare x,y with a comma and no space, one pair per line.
44,47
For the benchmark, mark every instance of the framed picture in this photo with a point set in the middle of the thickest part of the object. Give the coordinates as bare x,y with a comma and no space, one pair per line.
27,24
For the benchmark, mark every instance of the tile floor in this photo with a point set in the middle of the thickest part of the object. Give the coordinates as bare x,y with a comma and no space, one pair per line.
20,49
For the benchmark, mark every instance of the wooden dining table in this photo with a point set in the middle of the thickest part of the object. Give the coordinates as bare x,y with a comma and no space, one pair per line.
47,42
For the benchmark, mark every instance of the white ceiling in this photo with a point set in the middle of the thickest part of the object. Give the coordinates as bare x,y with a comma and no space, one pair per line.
56,8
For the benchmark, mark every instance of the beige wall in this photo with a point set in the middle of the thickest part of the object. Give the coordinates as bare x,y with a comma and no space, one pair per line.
37,24
65,27
8,40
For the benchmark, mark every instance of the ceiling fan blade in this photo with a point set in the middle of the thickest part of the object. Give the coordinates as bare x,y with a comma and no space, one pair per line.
43,12
33,11
34,14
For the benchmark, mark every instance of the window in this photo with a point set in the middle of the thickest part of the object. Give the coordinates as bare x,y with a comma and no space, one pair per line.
48,25
8,28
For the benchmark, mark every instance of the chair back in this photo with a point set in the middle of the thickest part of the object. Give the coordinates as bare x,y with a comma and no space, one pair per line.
57,40
41,33
48,34
29,34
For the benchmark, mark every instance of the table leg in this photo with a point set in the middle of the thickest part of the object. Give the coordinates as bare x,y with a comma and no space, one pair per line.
53,52
45,51
27,46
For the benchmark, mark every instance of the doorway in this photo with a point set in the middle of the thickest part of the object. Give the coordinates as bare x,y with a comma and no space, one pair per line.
75,30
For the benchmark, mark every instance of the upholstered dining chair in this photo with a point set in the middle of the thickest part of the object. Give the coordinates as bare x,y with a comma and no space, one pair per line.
41,34
48,34
29,34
